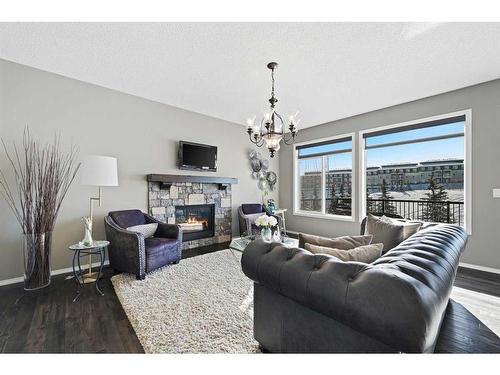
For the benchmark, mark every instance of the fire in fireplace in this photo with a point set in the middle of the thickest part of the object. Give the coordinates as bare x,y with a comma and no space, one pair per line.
197,221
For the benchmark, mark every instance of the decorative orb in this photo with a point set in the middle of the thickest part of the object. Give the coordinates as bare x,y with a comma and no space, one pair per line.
263,185
265,164
256,165
271,178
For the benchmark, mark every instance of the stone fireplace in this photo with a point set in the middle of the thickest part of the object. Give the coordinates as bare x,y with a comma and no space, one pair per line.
202,207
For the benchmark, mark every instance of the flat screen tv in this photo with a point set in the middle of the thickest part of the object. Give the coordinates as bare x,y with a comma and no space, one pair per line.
199,157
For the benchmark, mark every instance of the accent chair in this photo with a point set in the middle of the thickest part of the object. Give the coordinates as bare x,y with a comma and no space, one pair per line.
131,252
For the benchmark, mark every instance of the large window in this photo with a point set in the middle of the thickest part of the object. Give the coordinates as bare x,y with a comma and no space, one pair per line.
323,177
418,170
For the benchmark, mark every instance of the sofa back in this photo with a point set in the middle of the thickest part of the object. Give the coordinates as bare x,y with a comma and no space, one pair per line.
399,300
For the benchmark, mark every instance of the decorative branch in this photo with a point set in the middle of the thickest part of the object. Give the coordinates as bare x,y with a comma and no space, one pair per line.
42,176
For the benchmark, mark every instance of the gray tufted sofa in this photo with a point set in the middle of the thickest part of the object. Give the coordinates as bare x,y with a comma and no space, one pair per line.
306,303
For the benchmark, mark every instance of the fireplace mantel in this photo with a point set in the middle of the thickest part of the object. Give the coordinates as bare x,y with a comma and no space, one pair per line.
168,179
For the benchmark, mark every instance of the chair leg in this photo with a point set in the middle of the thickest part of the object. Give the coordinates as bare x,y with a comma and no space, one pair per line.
140,277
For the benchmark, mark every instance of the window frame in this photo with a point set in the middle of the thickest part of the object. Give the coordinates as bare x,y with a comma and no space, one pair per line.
296,176
467,164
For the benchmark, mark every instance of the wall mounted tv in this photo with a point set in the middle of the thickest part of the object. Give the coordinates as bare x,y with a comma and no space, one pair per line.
199,157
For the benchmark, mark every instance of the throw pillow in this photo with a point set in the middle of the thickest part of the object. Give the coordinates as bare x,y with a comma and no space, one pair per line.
391,234
410,227
343,243
364,254
147,230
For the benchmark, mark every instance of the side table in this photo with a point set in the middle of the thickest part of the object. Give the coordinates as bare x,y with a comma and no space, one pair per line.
80,251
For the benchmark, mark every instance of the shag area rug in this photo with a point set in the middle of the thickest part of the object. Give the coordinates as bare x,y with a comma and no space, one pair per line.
203,304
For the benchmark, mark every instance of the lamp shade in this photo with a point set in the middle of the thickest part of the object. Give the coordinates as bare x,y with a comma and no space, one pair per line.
99,171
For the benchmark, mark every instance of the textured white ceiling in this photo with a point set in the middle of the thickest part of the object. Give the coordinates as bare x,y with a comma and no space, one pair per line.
327,71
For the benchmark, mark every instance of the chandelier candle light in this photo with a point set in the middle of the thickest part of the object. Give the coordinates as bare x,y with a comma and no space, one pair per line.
272,127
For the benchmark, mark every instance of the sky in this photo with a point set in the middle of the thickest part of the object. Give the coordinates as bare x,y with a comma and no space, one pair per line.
417,152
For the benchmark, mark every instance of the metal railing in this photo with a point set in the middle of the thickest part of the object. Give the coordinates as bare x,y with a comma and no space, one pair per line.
442,212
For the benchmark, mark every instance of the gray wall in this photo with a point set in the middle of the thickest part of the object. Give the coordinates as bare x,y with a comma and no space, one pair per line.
484,244
142,134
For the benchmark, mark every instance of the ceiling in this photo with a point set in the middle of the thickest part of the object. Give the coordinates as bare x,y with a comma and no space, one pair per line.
327,71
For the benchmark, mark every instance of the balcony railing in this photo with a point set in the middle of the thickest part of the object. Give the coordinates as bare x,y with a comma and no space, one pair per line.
442,212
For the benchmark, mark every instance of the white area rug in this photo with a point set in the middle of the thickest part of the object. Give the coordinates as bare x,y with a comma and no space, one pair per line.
201,305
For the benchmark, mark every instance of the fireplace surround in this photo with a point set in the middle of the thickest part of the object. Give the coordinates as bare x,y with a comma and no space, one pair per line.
200,204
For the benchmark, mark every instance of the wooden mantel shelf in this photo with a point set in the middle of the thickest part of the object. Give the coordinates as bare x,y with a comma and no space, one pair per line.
169,179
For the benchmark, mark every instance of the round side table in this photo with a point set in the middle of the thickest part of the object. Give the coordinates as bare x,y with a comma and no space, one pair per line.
80,251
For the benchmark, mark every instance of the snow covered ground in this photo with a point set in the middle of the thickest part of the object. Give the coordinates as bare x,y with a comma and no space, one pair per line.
454,195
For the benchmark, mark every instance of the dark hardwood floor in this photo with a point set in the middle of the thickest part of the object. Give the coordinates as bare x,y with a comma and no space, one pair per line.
47,321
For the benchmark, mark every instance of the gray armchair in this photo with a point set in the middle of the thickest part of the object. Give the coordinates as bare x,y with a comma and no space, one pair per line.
247,213
131,252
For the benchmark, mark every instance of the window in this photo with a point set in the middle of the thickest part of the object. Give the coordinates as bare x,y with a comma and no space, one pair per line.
436,146
323,178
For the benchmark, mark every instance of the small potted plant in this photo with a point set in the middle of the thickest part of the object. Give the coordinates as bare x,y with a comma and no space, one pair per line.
266,223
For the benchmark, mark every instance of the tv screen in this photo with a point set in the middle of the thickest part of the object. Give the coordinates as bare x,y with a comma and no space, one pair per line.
196,156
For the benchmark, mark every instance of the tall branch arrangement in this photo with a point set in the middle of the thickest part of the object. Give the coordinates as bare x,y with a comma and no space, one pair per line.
43,175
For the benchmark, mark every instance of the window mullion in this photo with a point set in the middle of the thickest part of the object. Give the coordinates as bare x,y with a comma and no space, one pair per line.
323,185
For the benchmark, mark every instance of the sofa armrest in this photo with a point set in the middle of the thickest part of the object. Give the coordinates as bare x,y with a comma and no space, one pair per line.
126,249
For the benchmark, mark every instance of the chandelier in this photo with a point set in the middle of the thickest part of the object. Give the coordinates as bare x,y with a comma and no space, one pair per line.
271,130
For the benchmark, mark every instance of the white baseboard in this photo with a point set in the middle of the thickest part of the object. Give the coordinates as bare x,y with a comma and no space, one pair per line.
53,273
479,268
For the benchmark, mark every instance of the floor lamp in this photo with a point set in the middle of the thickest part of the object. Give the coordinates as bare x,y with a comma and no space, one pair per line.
97,171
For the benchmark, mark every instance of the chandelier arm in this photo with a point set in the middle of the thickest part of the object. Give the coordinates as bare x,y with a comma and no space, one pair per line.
258,141
251,139
290,139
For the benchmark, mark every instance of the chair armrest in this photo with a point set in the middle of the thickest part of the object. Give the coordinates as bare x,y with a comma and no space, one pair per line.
165,230
126,249
169,231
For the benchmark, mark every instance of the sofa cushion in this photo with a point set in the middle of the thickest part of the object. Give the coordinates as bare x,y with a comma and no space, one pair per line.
391,234
343,243
364,254
252,208
147,230
410,227
155,245
160,252
128,218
